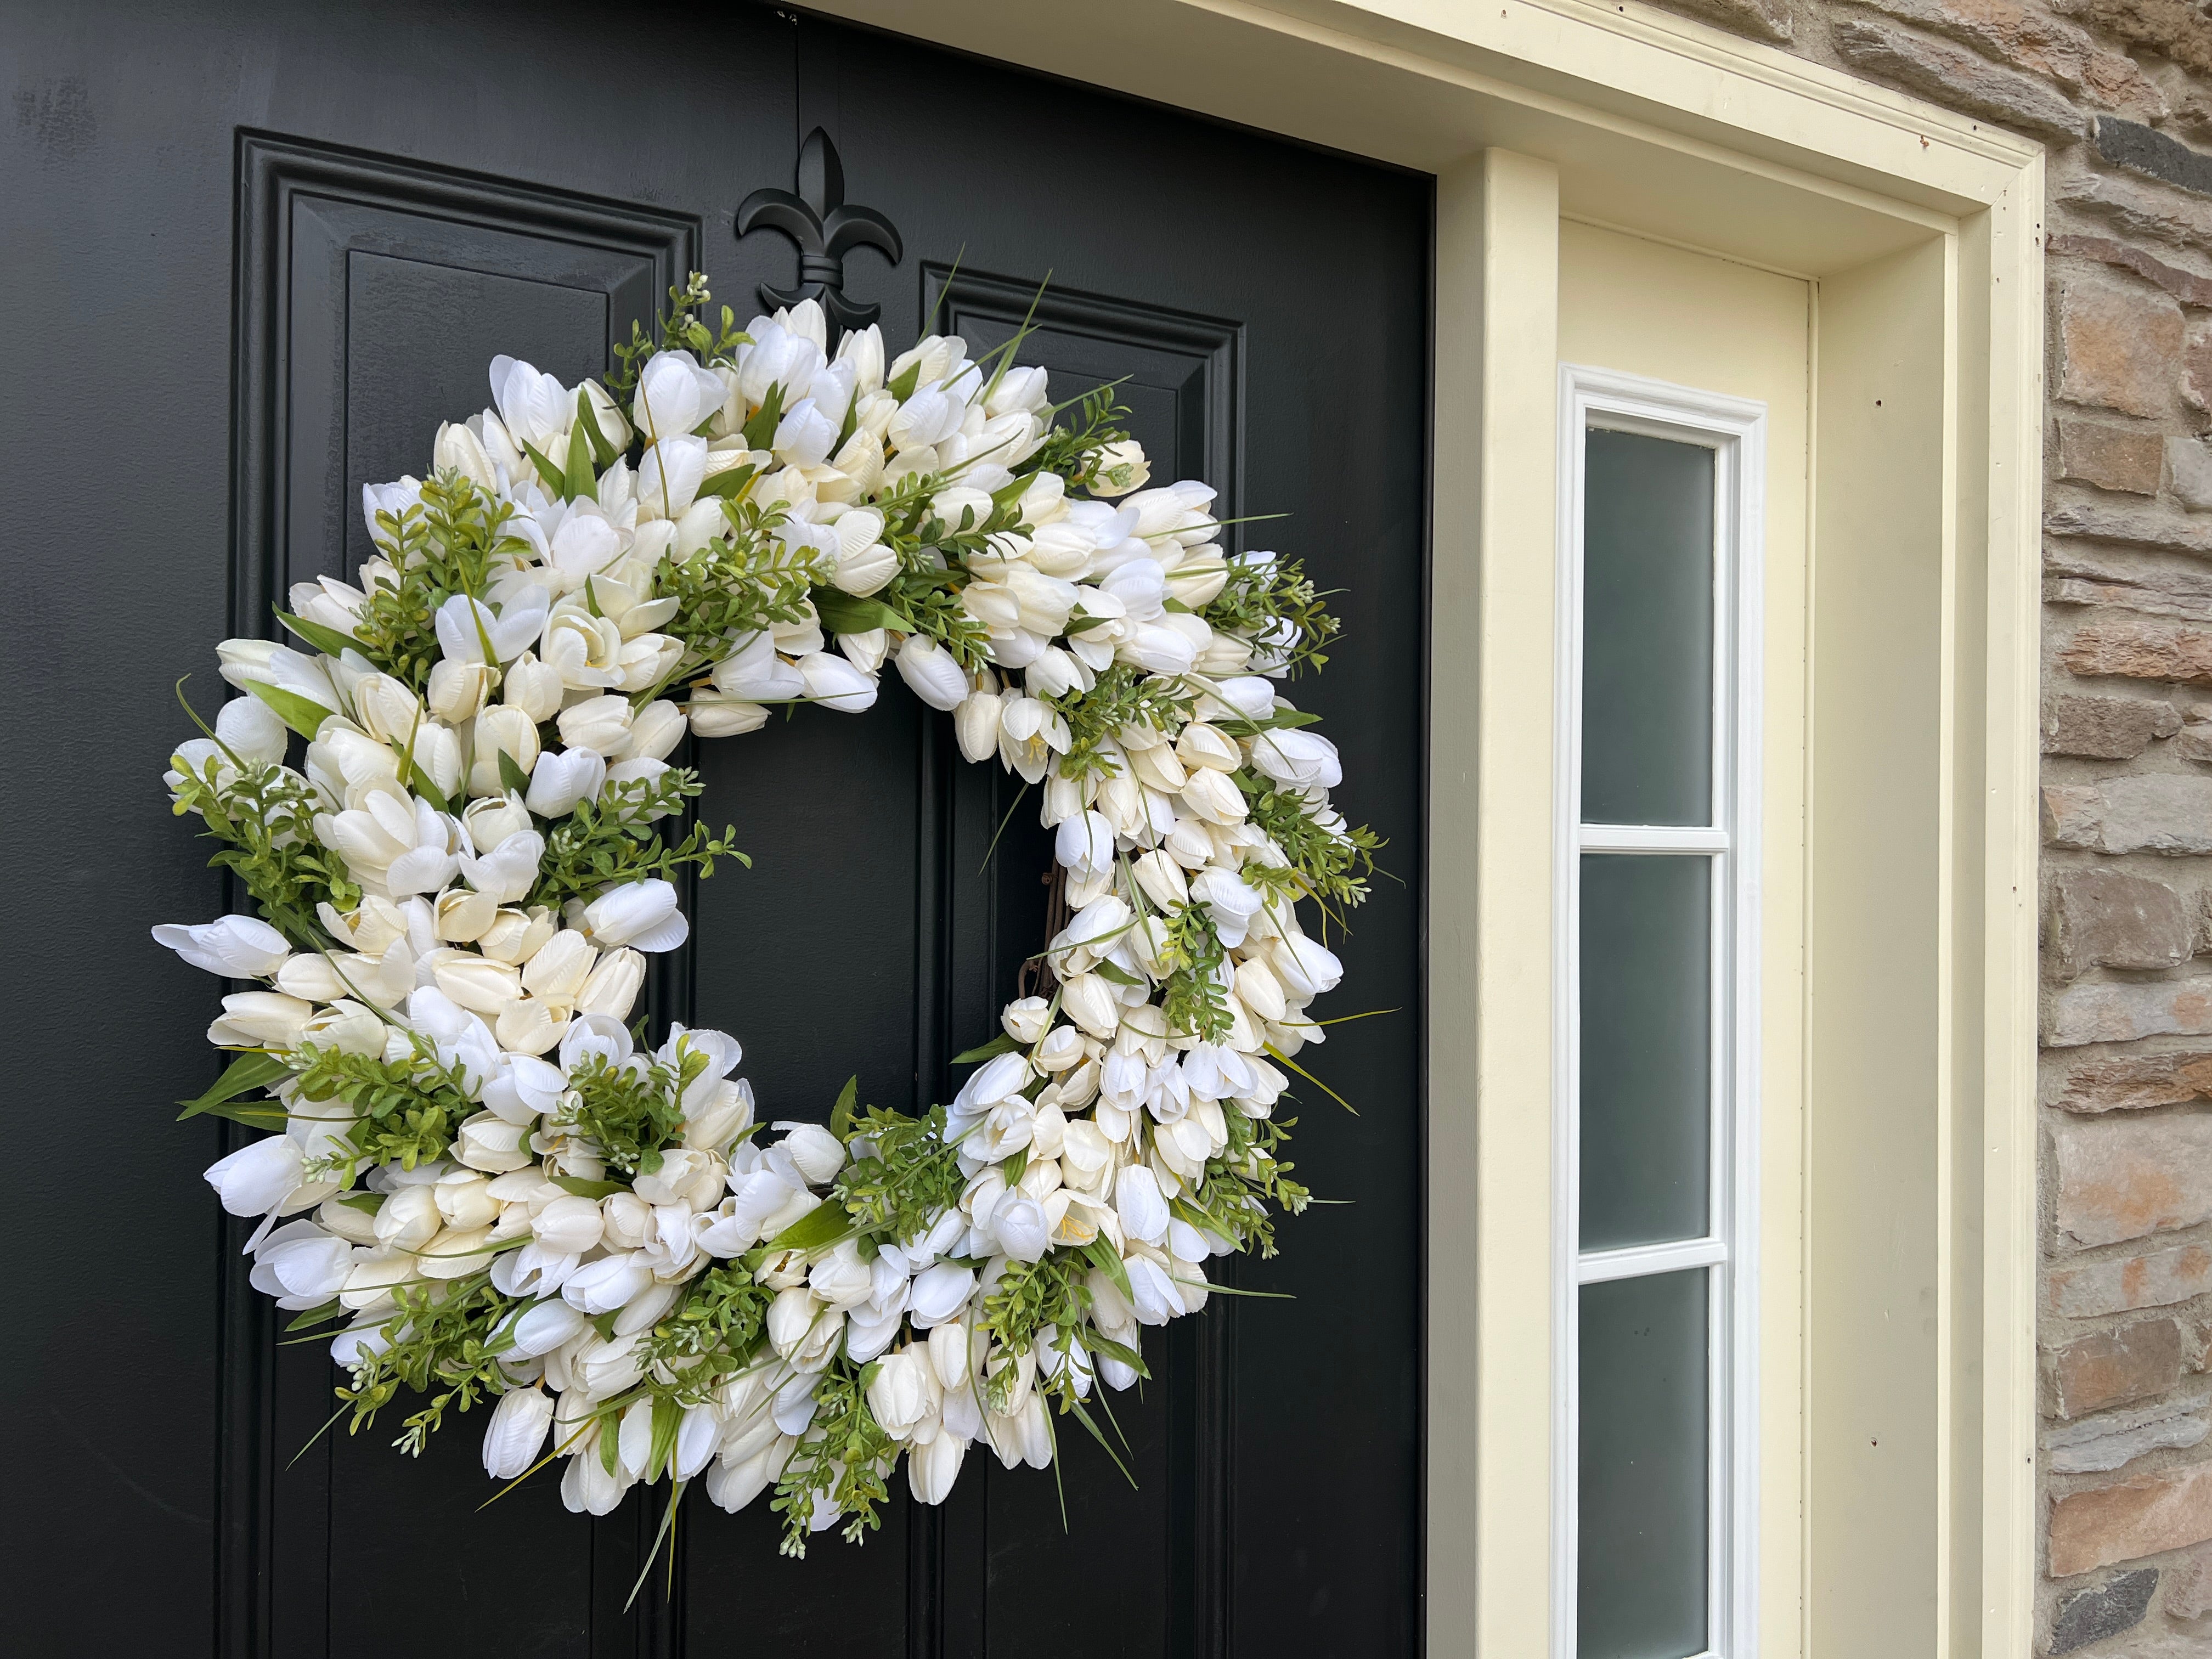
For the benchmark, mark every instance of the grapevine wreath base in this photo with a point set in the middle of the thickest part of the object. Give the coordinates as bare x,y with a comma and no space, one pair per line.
493,1183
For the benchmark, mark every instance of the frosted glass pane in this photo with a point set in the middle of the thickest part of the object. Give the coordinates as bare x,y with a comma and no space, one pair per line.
1640,1588
1646,1055
1647,630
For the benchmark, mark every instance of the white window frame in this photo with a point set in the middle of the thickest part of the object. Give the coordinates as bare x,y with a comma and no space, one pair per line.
1734,429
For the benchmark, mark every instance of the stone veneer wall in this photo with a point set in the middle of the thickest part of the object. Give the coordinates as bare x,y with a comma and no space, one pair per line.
2121,92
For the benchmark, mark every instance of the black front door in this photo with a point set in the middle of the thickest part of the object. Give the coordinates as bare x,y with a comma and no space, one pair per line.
255,257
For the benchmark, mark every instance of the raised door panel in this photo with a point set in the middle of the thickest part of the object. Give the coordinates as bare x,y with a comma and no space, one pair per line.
376,292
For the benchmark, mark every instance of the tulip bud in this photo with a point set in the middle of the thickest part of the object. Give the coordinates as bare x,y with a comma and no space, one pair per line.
600,723
409,1218
385,708
655,732
459,689
1117,469
1025,1020
1090,1001
563,778
558,970
613,985
931,672
462,915
547,1325
499,730
1137,1199
258,1178
515,937
532,686
260,1019
975,723
491,819
569,1224
516,1431
720,715
643,914
237,947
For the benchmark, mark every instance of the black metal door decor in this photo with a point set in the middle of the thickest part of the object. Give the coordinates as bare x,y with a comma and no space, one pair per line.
492,1179
826,228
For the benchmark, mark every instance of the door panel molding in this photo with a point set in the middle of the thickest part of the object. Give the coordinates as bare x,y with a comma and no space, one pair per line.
324,232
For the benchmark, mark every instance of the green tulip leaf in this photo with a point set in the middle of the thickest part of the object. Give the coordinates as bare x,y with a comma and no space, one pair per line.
301,714
841,1115
512,775
729,482
553,477
760,431
1001,1044
1113,975
328,640
253,1071
816,1230
579,483
841,613
666,1414
602,451
583,1189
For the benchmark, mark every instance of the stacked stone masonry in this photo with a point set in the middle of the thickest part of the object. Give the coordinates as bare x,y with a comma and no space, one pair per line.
2121,92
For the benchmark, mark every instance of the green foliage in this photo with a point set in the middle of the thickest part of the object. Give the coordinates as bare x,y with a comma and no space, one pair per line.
1265,595
613,840
1334,865
1123,695
404,1112
1029,1295
264,816
630,1111
1231,1199
908,1175
1073,449
731,588
450,541
444,1334
1192,998
709,1336
678,327
843,1458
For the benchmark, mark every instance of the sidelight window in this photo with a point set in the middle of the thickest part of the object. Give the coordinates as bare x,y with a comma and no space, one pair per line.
1656,1108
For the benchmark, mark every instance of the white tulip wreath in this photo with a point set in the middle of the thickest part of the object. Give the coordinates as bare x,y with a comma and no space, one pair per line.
481,1167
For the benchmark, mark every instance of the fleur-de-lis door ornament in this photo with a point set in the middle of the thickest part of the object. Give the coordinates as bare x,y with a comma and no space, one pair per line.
826,228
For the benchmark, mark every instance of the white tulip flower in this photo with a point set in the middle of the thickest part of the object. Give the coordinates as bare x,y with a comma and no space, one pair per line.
1297,759
260,1019
932,1468
1154,1295
1025,1020
562,778
836,683
1306,969
1137,1200
655,731
931,672
250,662
258,1177
533,686
1119,468
938,1294
644,915
905,1394
466,626
459,691
251,730
516,1432
975,723
237,947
